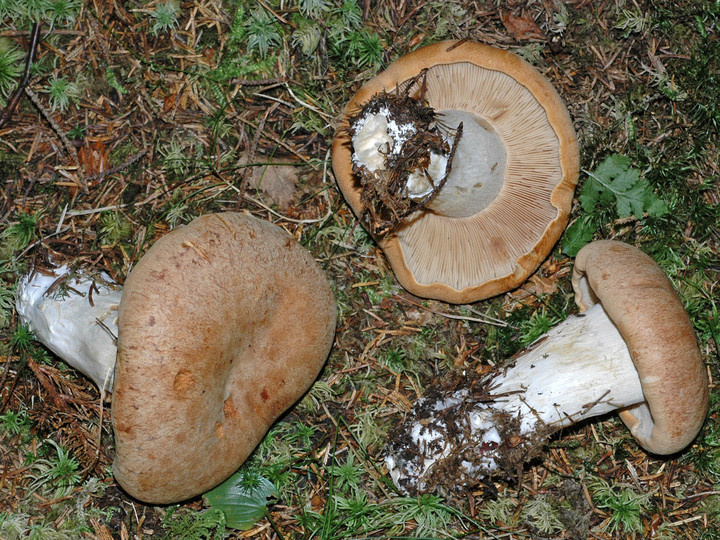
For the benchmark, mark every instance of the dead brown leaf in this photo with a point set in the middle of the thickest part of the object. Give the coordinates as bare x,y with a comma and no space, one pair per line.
278,182
169,103
94,158
521,27
278,179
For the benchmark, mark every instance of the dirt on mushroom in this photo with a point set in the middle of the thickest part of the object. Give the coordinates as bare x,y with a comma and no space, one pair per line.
384,198
448,475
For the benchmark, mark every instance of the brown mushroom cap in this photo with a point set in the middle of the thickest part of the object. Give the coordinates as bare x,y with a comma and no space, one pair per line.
641,301
223,325
467,259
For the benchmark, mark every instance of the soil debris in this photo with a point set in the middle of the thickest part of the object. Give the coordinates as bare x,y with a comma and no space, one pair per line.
404,134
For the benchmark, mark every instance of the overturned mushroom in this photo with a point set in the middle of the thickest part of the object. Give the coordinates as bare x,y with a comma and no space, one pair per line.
631,349
461,160
222,325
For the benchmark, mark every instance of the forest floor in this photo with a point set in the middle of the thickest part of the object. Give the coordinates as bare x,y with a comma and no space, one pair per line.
137,117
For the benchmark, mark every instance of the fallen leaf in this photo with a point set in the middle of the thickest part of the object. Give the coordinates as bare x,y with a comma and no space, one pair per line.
541,285
169,103
522,27
542,282
278,182
94,158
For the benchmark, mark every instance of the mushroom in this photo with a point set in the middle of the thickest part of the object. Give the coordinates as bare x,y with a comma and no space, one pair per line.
632,349
223,324
491,203
75,316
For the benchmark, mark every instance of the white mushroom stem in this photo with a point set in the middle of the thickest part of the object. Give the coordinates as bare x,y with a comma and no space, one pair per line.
478,168
74,317
580,369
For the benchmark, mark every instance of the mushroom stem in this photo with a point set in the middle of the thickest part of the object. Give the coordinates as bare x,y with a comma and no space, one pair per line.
474,177
74,317
579,369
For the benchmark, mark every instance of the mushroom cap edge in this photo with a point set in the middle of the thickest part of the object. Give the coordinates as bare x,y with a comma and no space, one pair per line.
642,302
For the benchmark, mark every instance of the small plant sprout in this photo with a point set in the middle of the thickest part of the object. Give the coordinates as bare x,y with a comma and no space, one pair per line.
56,13
364,48
60,472
307,38
313,8
18,236
21,339
62,13
77,132
114,228
262,32
625,506
7,296
15,423
175,157
11,66
350,14
542,515
165,17
61,93
632,348
348,475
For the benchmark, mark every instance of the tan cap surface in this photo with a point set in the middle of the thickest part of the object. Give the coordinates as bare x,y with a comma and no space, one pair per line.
467,259
223,325
641,301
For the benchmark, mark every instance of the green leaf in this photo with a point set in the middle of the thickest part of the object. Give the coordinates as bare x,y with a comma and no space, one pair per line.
612,167
590,194
625,180
657,207
242,498
614,180
631,201
577,235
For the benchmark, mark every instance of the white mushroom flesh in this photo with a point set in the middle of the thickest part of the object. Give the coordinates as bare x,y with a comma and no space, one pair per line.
76,320
580,369
478,167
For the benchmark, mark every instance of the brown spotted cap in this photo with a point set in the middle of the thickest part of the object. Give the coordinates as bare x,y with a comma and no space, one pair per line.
223,325
641,301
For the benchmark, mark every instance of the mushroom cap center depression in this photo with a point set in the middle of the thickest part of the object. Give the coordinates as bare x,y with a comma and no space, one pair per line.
478,167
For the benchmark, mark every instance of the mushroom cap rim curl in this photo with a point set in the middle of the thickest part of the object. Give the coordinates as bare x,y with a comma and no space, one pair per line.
643,304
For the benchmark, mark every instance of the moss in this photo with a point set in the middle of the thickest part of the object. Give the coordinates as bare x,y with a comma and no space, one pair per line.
10,166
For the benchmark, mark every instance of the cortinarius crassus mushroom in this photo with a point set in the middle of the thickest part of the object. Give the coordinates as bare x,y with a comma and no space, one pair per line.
222,325
461,160
631,349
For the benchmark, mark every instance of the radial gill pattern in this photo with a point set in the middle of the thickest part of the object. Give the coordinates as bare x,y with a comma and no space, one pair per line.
494,239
